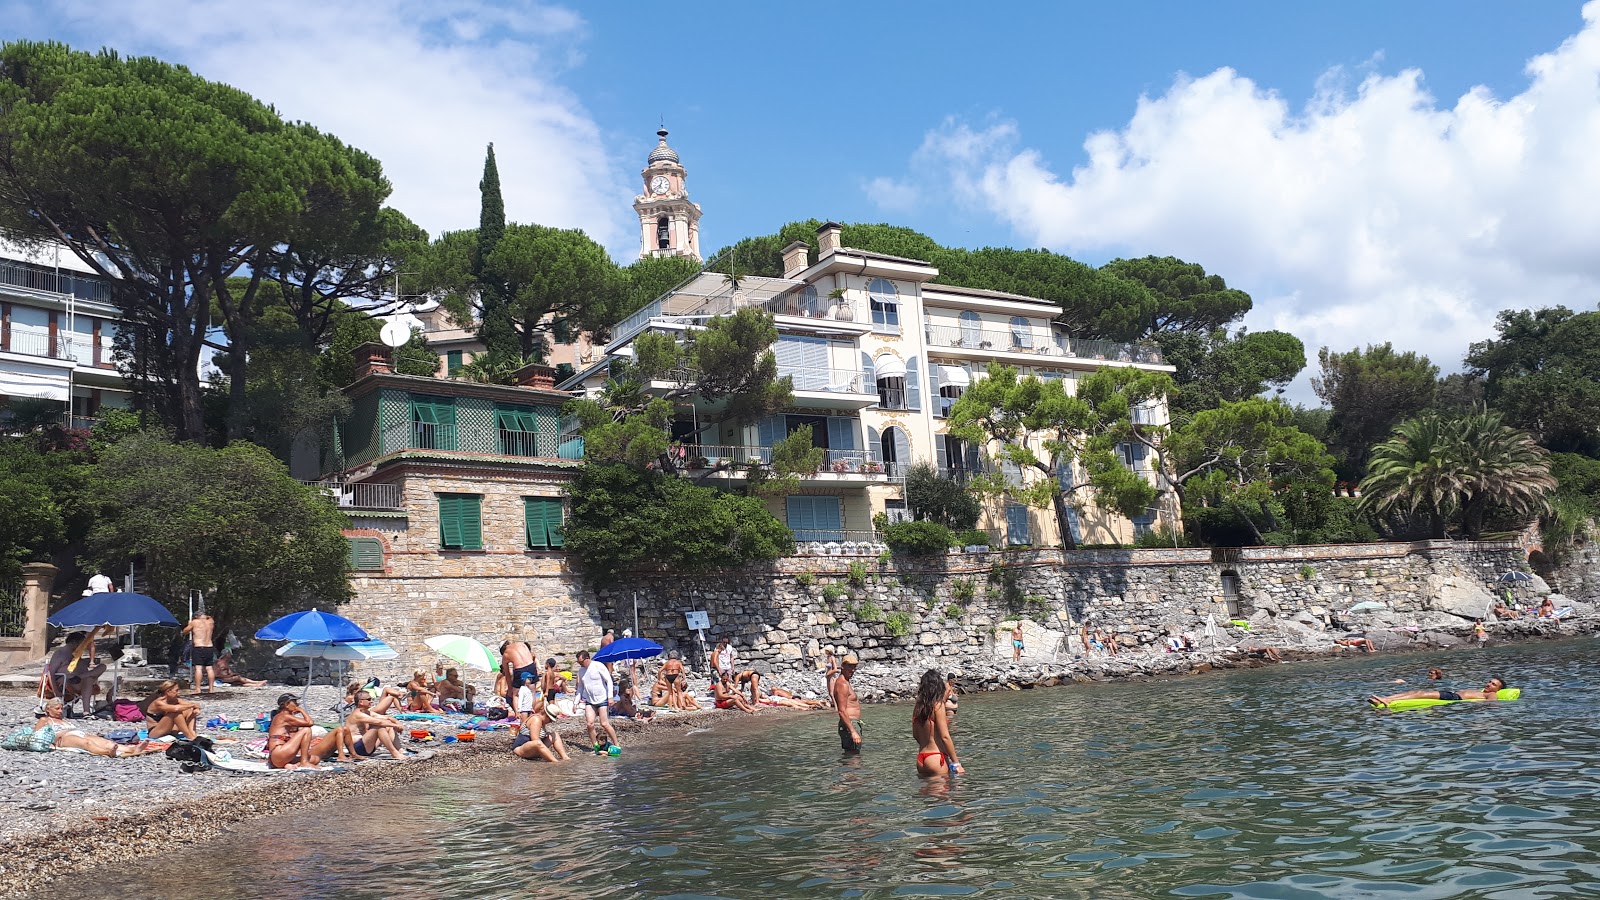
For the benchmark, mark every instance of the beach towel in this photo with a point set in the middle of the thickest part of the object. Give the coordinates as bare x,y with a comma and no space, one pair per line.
228,763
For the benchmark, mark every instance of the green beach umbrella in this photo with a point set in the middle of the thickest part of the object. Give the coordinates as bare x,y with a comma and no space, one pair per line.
464,650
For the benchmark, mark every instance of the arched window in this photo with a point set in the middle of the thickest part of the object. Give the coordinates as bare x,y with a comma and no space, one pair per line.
885,301
810,303
896,449
891,376
1021,333
663,233
971,329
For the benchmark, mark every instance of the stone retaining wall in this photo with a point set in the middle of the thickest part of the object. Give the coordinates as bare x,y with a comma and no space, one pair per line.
952,611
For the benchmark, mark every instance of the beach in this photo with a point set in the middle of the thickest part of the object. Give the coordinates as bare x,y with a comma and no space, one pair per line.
67,812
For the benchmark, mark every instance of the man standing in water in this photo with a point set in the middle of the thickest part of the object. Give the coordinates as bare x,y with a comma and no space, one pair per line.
204,655
594,689
847,705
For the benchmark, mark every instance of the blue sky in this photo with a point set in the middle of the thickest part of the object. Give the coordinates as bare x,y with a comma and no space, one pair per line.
1368,171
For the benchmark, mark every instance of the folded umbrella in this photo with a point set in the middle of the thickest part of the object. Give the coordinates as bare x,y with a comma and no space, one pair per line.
464,650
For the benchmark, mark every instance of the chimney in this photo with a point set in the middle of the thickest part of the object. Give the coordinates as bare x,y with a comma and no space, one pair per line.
535,375
372,358
828,238
794,259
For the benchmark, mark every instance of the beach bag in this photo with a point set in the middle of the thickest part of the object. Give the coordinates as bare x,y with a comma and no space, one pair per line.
188,754
127,711
495,713
25,738
123,736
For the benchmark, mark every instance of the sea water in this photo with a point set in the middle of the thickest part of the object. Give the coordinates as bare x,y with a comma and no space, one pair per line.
1269,783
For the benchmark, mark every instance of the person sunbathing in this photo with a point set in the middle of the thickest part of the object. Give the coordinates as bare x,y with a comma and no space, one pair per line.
291,744
420,694
1491,691
790,701
536,740
1358,643
1501,611
371,730
453,692
728,698
1547,608
227,675
68,737
383,698
169,714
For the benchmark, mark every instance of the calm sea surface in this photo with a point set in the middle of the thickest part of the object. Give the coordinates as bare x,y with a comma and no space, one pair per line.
1272,783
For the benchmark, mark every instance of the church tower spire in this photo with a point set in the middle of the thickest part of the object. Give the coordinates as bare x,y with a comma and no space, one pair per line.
669,224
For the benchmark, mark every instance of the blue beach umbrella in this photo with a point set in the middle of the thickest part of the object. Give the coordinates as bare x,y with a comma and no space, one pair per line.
116,609
627,648
353,651
313,626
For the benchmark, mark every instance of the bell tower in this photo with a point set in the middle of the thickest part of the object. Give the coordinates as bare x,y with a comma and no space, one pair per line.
669,224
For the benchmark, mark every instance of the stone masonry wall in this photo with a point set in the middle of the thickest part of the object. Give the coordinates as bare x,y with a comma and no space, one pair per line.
953,611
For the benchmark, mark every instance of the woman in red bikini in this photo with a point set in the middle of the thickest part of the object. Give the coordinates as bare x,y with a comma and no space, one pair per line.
936,753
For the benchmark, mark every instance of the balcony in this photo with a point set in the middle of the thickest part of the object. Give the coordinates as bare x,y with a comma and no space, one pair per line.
53,281
76,347
980,342
814,387
361,495
839,465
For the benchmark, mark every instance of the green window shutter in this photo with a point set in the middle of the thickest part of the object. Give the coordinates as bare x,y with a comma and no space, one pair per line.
533,515
449,521
553,522
422,410
471,519
366,553
452,362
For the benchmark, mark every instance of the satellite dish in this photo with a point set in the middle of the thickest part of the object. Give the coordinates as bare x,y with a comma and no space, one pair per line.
394,333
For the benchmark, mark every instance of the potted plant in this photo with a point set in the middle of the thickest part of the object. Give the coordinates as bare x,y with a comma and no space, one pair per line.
841,466
841,306
872,467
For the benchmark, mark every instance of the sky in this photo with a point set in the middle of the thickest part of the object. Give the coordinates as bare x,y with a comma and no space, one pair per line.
1367,171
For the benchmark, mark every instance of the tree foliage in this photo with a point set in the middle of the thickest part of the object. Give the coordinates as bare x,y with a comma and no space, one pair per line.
1543,372
230,522
1248,461
1187,299
1369,391
625,519
1214,367
1034,424
931,497
170,185
1434,467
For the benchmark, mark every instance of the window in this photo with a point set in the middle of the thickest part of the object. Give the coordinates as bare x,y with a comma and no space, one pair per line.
1021,333
1017,532
885,302
815,518
1230,593
366,554
1065,482
433,423
810,303
518,429
891,375
1144,523
663,233
896,450
952,382
460,521
452,362
804,360
971,329
544,517
1133,455
956,458
895,511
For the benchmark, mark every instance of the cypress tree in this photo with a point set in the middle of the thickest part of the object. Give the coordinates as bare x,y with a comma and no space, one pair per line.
495,328
492,212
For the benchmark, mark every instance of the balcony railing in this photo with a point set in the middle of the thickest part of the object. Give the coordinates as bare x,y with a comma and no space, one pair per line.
433,437
836,462
78,347
1030,340
37,278
361,495
837,542
838,381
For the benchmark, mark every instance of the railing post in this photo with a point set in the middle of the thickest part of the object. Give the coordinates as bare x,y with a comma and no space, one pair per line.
37,580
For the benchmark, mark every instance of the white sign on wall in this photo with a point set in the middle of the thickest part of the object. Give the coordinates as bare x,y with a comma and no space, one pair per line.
698,620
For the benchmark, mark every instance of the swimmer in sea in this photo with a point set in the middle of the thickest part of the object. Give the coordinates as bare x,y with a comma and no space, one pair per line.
1491,691
936,751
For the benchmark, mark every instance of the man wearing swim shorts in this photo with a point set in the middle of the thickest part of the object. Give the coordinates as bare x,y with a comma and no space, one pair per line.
1016,641
594,689
847,705
1491,691
204,655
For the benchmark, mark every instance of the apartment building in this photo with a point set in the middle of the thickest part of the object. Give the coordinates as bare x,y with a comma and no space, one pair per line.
57,331
878,351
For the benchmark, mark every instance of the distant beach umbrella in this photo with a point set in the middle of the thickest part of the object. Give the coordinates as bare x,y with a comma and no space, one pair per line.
470,653
627,648
1515,577
1367,606
313,626
352,651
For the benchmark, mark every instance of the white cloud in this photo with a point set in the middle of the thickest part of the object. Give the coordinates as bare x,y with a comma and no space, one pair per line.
423,86
1373,215
892,194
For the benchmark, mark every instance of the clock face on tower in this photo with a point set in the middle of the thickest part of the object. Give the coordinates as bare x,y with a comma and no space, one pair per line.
659,184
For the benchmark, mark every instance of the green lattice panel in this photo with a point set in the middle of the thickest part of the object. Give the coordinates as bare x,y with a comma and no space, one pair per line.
475,426
394,420
549,437
357,441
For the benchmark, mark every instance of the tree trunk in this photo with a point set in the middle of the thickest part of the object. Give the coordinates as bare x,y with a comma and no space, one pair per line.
1058,499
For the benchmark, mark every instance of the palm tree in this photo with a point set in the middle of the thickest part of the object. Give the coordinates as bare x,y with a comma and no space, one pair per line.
1504,467
1417,470
1435,466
